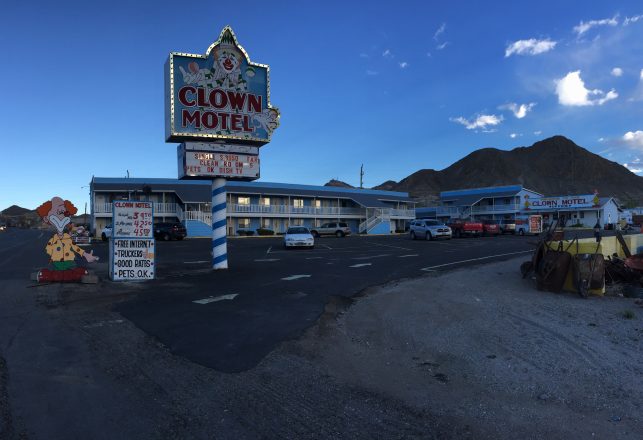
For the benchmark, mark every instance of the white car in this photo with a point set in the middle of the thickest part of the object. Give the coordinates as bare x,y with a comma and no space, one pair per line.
298,236
429,229
107,233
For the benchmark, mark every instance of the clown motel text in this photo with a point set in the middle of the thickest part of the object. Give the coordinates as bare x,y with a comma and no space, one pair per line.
218,164
132,259
204,108
133,219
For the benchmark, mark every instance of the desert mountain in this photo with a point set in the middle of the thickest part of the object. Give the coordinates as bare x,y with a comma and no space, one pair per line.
338,183
14,210
554,166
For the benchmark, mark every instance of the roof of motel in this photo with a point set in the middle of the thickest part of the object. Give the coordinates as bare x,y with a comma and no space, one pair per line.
198,191
467,197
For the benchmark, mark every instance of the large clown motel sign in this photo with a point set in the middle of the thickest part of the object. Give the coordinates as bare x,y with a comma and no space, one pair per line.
218,108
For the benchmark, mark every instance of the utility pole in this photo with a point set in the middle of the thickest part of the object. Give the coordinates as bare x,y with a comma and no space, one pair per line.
361,177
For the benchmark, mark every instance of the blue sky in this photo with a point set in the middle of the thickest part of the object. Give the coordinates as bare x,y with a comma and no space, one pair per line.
399,89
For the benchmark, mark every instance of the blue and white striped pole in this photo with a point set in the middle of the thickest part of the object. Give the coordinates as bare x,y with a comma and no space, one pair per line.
219,246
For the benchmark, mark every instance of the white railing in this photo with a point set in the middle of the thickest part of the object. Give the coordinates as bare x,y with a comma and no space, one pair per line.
476,209
159,208
203,216
235,208
447,210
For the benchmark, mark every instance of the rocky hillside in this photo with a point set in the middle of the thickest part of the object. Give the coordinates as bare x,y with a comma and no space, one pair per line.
554,166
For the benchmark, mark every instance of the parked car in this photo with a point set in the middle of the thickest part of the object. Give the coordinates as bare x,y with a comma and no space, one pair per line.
507,226
429,229
522,227
107,233
490,227
298,236
338,229
461,228
169,231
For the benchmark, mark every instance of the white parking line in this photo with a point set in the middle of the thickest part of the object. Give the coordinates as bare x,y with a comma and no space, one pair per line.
295,277
388,245
372,256
410,255
326,246
429,269
268,251
361,265
196,262
211,299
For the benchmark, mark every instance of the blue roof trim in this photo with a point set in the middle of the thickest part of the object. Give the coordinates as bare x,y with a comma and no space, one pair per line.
474,191
290,186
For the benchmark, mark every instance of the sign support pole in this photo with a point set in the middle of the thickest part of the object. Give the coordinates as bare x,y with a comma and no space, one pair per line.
219,246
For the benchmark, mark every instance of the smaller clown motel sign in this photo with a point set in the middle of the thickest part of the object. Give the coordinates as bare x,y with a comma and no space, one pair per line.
131,248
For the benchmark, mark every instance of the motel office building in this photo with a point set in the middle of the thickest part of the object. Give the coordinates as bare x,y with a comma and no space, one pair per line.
254,205
516,202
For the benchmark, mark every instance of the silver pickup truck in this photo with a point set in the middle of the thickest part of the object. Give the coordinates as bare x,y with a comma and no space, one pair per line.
338,229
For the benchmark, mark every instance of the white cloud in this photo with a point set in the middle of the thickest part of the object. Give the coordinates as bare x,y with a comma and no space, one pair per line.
634,139
633,168
371,72
538,132
641,75
636,160
440,31
529,47
571,91
404,65
387,54
586,26
617,71
514,135
634,19
519,110
480,121
442,46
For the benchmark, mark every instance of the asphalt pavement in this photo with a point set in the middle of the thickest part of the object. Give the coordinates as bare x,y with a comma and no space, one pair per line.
229,320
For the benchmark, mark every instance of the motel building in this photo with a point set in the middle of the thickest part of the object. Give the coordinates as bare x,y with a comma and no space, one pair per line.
254,205
516,202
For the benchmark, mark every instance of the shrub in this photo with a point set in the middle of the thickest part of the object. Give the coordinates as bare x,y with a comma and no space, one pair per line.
264,231
245,232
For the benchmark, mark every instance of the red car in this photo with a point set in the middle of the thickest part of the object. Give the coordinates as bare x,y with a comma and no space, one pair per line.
461,228
491,227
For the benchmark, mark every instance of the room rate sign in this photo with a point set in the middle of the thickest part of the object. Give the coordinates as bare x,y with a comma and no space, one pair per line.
131,247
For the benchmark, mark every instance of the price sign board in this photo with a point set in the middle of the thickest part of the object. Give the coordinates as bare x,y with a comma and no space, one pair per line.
131,249
133,219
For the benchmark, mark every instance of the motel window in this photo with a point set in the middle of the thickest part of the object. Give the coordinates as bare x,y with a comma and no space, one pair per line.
265,201
244,222
297,222
298,203
317,203
265,223
243,200
582,214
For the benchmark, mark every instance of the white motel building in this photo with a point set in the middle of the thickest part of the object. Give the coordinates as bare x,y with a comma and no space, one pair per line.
516,202
254,205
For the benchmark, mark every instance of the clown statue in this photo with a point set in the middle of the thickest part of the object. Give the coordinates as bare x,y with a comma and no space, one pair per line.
61,249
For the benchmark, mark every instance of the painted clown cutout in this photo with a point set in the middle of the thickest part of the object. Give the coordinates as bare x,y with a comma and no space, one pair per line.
60,247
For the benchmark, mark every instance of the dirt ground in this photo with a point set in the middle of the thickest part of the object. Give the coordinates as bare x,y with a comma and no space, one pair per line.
484,351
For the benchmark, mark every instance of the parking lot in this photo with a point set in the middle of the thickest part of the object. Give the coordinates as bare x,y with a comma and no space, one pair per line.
270,294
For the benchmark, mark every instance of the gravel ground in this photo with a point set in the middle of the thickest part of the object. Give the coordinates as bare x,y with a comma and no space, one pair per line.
474,353
492,355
